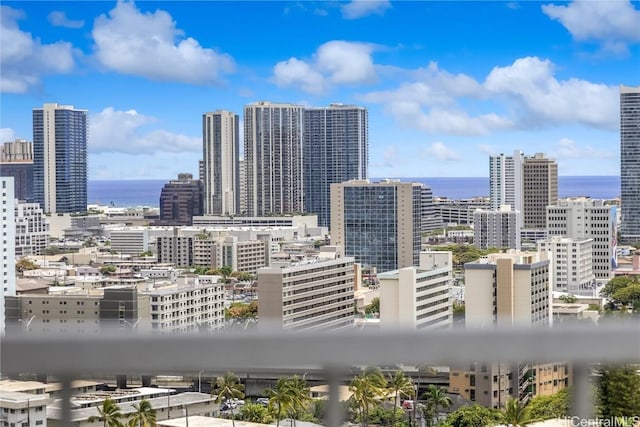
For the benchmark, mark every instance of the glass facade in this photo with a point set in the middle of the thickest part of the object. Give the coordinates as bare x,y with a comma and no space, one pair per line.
60,183
372,231
335,147
630,162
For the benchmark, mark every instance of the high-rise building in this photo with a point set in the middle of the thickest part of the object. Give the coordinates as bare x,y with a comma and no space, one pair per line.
16,160
431,217
273,158
508,289
505,180
630,162
582,218
336,149
180,201
221,154
573,264
539,190
243,187
418,297
7,245
60,158
496,228
378,223
312,295
32,229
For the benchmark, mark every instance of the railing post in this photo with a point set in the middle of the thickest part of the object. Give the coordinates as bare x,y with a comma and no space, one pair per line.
334,408
582,402
66,400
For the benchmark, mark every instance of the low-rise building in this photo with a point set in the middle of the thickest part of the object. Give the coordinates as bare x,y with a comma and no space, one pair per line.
32,229
573,264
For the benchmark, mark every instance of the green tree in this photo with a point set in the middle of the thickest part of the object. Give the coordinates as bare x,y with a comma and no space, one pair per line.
545,407
473,416
24,264
255,413
144,416
616,284
628,296
516,414
280,399
107,269
618,391
290,396
367,389
374,307
225,271
399,385
228,387
110,414
435,397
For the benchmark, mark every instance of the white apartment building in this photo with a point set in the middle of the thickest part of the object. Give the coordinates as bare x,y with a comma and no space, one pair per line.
312,295
221,151
498,228
573,263
583,218
7,244
131,241
505,180
186,306
23,409
418,297
243,187
32,229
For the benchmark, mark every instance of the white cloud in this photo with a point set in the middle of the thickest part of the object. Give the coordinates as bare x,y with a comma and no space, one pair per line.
59,18
361,8
487,149
450,122
530,83
568,149
442,152
294,72
25,59
612,23
335,63
149,45
523,95
124,132
7,135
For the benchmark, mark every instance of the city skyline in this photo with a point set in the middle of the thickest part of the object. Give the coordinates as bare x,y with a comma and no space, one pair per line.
443,86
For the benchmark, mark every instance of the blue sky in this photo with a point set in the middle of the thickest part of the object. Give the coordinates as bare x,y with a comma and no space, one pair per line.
446,83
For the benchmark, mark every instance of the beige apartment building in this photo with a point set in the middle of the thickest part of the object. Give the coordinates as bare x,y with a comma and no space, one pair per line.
312,295
418,297
504,290
573,264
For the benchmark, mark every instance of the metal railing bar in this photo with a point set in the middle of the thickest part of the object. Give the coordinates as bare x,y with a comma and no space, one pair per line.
132,354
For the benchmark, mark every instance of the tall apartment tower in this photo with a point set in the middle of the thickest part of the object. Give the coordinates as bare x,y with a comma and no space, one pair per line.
630,162
335,149
60,158
505,180
243,187
583,218
221,168
273,158
508,289
378,223
16,160
7,245
539,190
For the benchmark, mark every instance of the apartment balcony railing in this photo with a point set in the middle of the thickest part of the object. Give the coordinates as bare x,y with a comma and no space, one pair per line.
74,357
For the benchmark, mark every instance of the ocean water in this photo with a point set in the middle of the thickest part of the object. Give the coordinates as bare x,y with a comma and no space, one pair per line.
147,192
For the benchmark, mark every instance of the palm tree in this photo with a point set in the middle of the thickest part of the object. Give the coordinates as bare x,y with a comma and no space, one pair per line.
435,397
228,387
109,414
299,396
367,389
145,415
399,385
516,414
279,399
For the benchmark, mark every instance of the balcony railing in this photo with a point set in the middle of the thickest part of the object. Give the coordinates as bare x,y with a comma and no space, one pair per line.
68,357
